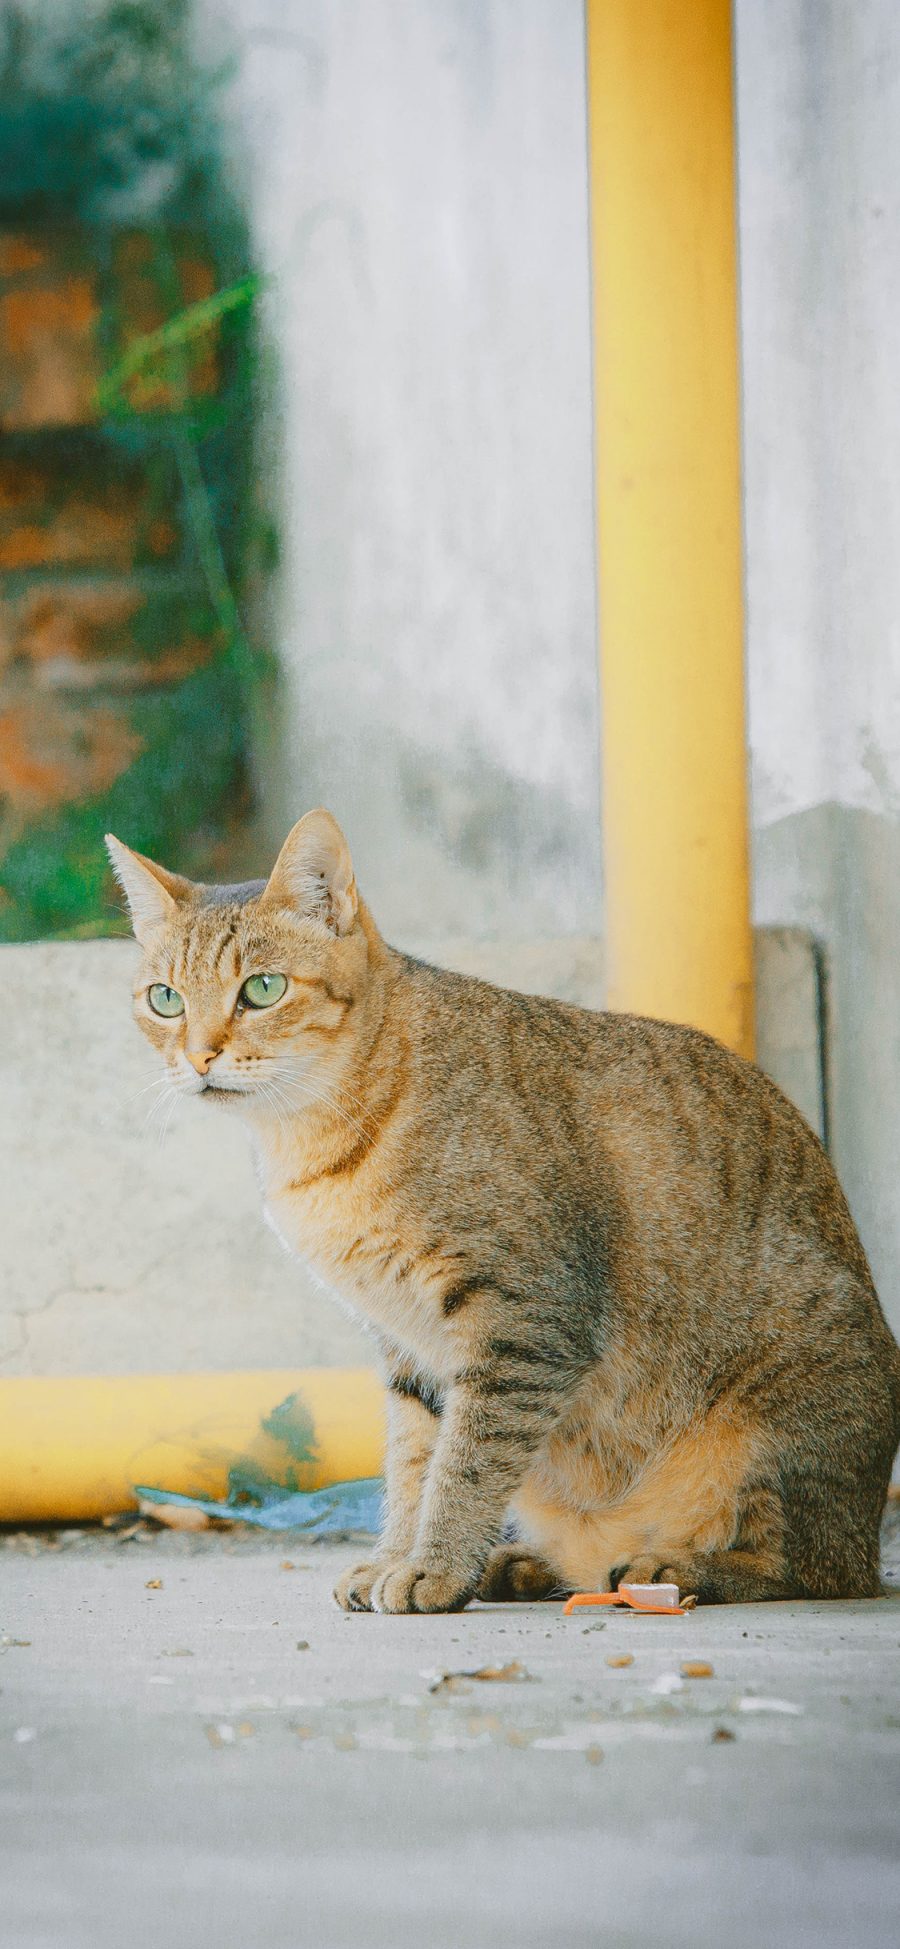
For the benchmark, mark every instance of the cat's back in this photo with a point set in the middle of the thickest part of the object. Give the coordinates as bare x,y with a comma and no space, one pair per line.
473,1032
697,1141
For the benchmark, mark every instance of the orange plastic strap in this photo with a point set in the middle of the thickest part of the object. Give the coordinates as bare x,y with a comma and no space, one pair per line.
624,1600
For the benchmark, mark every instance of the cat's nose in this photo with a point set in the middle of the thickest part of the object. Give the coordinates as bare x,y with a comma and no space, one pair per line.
201,1059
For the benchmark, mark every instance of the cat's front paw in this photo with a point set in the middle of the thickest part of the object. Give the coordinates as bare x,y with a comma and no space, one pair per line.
353,1591
407,1586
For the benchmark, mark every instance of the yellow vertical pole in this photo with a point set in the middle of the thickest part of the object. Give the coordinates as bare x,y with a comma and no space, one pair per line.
669,512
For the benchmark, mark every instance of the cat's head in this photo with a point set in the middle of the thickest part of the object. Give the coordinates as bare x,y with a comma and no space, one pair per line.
251,994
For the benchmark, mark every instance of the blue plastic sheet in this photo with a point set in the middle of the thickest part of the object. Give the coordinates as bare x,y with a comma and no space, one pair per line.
343,1509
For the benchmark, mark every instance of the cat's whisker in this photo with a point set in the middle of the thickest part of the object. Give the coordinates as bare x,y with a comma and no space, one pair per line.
337,1102
268,1094
293,1065
288,1064
318,1100
324,1098
165,1105
157,1106
276,1092
156,1083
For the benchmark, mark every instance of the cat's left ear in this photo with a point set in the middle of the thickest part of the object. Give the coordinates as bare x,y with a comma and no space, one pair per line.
313,873
151,891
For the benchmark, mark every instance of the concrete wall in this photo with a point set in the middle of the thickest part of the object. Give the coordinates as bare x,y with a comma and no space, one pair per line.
130,1241
819,106
416,176
417,183
416,180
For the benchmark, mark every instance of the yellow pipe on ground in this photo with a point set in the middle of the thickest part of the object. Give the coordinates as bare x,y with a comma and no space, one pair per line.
669,512
74,1448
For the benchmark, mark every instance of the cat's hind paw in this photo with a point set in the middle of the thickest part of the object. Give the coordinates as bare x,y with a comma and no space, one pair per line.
644,1570
513,1574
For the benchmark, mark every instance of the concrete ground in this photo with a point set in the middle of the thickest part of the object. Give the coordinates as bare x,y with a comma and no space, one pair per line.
198,1751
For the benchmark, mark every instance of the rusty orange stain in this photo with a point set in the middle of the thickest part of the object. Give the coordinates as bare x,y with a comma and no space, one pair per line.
67,621
50,755
18,254
47,341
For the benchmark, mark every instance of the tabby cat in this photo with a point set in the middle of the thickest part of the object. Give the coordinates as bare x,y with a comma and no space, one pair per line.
616,1288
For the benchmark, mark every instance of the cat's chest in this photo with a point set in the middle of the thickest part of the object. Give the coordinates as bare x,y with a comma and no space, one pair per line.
369,1261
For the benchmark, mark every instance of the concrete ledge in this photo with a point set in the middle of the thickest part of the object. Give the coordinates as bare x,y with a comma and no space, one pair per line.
124,1249
127,1249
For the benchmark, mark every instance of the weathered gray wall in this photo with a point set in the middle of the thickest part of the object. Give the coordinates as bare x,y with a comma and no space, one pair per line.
416,174
130,1241
416,170
416,177
819,106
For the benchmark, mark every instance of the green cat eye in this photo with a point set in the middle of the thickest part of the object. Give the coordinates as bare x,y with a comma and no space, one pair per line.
164,1000
262,990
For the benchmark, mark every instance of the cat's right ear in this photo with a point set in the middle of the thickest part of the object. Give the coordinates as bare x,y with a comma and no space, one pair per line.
152,892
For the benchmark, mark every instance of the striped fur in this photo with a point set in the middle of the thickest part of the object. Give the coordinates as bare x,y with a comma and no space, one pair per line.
615,1284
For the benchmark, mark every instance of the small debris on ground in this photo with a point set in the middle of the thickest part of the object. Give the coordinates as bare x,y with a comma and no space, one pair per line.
620,1660
302,1644
287,1564
174,1515
220,1735
593,1755
154,1583
696,1668
509,1674
130,1529
722,1734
